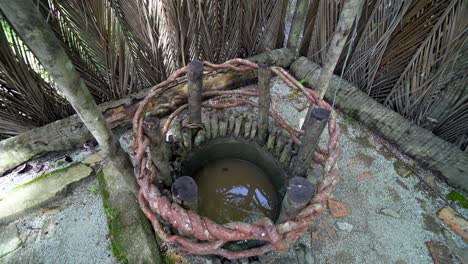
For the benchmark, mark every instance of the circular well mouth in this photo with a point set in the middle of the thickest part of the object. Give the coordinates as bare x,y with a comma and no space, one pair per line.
238,149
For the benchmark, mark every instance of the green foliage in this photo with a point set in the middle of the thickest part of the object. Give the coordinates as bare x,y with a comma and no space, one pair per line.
458,198
94,189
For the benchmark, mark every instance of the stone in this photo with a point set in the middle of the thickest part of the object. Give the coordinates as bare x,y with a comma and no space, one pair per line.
247,128
271,138
440,253
130,232
199,138
207,124
9,240
214,125
93,159
223,127
253,131
238,125
389,212
338,209
40,191
365,176
231,124
343,226
187,138
458,224
401,169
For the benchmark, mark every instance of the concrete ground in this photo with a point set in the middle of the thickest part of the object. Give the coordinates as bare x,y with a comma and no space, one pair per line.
390,218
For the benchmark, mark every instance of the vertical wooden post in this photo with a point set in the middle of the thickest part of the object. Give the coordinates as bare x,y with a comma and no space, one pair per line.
264,97
185,192
316,122
299,193
195,87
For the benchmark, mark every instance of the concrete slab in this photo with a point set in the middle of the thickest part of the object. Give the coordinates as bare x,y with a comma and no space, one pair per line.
41,190
9,240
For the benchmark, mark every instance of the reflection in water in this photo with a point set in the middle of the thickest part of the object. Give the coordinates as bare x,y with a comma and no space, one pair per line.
235,190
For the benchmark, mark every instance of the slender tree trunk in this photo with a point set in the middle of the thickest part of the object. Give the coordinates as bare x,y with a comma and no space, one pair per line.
297,24
347,16
34,31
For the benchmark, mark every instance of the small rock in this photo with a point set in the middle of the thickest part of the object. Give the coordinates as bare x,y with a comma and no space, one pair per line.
343,226
390,212
457,223
9,240
401,169
440,253
365,176
338,209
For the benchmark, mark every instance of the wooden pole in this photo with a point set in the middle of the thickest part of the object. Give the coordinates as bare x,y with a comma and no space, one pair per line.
185,192
264,97
297,25
313,129
195,87
299,193
343,28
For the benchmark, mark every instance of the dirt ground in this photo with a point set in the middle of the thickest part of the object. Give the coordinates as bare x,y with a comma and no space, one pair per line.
389,218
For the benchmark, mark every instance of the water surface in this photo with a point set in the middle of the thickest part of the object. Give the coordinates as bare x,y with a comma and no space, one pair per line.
235,190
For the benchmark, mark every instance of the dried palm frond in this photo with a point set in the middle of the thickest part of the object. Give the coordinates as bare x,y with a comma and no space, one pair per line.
385,18
94,40
26,99
429,68
326,15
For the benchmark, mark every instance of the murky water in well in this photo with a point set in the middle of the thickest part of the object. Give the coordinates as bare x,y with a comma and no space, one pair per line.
235,190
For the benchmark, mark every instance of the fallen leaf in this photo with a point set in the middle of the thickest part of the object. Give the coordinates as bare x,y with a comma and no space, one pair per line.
365,176
402,184
338,209
314,236
440,253
457,223
331,232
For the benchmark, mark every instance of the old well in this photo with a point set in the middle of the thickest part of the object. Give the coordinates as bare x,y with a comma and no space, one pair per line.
224,173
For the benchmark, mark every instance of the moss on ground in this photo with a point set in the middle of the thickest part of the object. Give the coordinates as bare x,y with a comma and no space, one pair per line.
45,175
401,169
458,198
115,227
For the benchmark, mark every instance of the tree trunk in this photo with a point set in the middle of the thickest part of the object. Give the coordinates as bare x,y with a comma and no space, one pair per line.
297,24
347,16
34,31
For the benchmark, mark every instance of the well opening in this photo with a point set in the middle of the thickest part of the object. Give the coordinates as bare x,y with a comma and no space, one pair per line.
261,140
238,180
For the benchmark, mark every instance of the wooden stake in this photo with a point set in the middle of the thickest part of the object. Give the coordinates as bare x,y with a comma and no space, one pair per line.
313,129
299,193
264,97
185,192
195,87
